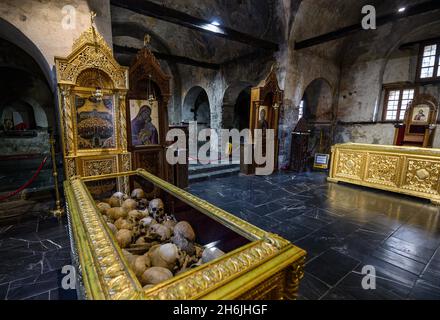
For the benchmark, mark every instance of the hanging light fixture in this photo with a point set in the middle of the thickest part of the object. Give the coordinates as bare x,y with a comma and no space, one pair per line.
98,94
150,91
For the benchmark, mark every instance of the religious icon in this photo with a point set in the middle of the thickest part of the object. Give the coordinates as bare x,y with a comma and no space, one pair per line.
262,119
420,114
95,122
144,122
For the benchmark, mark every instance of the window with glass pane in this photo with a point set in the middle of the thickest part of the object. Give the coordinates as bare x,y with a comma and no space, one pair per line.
407,98
393,105
397,101
429,62
301,109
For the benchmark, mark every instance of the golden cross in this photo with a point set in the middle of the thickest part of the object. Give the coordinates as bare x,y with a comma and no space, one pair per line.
92,17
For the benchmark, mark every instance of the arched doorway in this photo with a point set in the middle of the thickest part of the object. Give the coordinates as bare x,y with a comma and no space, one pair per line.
242,109
236,106
26,115
196,107
313,132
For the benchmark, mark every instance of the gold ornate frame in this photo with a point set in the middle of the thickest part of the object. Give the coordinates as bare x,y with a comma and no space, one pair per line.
91,55
269,267
407,170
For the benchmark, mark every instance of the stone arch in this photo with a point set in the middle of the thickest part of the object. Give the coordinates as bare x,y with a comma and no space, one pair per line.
236,105
196,107
10,33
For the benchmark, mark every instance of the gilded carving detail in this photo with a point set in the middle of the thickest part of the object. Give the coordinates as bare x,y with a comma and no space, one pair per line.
90,58
126,162
270,289
67,118
198,283
408,170
99,167
70,167
90,51
422,176
123,121
383,169
90,36
350,164
293,277
113,270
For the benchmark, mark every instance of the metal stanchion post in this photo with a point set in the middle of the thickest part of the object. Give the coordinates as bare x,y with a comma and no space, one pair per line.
58,211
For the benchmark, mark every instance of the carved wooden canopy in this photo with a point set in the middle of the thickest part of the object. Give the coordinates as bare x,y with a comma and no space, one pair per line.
269,86
144,65
146,68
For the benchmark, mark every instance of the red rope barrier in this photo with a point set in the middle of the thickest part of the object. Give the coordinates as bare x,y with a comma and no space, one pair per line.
27,184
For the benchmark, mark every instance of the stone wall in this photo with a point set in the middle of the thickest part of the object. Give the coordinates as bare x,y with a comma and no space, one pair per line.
15,146
41,23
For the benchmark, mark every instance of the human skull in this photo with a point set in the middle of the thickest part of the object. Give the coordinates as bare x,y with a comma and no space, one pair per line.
117,199
161,232
156,208
138,194
145,224
135,216
143,204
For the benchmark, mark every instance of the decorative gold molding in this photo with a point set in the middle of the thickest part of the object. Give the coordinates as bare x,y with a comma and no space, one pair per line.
91,56
123,121
91,51
113,273
266,264
408,170
97,167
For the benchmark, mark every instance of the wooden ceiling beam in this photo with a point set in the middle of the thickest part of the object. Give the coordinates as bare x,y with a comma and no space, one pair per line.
168,57
417,9
151,9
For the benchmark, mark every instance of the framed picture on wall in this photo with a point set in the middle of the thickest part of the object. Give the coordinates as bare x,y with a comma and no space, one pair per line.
420,114
144,120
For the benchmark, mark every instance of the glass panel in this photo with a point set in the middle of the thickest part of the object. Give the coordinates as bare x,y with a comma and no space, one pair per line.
394,95
438,67
427,72
301,110
428,61
391,115
407,97
430,50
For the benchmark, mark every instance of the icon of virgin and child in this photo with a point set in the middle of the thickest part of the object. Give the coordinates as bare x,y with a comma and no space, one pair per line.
143,131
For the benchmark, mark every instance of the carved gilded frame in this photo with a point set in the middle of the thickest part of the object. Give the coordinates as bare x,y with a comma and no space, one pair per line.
91,52
407,170
268,264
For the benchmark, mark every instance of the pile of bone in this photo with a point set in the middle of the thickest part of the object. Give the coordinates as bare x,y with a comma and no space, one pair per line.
156,246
